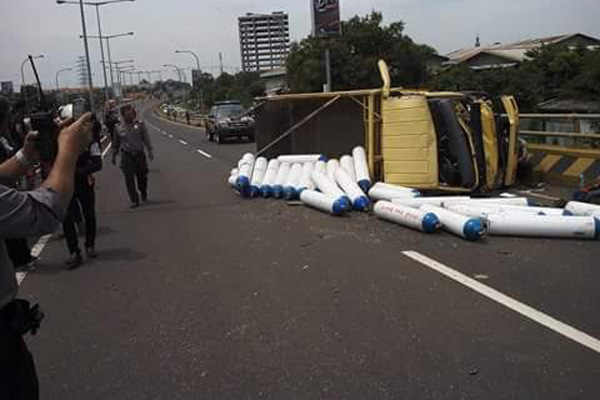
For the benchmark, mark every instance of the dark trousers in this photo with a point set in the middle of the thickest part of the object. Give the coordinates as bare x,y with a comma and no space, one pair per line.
18,251
85,196
18,378
135,169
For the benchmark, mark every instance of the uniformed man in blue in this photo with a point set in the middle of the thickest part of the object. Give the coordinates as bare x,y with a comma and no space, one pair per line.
132,143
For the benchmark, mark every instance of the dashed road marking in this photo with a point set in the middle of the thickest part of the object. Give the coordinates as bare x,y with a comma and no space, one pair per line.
183,142
205,154
105,152
543,319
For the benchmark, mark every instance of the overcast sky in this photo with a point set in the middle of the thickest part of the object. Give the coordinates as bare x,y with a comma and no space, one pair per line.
210,27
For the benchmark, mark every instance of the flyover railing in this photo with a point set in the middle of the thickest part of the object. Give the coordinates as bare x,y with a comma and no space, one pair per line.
565,148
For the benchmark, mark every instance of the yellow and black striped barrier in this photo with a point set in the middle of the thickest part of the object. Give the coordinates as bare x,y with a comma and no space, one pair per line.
565,165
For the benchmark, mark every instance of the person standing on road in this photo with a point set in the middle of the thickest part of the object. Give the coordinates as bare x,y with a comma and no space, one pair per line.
111,118
84,195
132,142
187,116
27,214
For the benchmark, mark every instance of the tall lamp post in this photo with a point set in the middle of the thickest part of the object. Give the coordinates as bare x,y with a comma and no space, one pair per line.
108,38
57,83
23,74
23,67
58,73
97,5
200,92
176,69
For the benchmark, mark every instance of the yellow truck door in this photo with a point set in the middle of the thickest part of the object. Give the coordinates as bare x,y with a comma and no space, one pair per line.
512,110
409,142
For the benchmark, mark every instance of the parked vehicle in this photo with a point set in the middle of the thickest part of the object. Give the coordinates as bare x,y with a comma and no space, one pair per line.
226,120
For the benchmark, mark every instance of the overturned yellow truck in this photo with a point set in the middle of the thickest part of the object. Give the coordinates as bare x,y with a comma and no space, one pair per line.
438,141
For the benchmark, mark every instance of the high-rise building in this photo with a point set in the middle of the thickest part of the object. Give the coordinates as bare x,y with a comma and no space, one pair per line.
264,41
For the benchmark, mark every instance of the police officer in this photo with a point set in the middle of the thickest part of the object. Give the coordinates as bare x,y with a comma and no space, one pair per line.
131,143
88,163
26,214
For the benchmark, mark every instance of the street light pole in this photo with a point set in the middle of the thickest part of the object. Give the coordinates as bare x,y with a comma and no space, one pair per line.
87,55
176,69
108,38
106,94
112,82
200,92
85,39
58,73
23,66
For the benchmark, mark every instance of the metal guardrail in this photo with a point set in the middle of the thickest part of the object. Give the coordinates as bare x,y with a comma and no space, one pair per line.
568,158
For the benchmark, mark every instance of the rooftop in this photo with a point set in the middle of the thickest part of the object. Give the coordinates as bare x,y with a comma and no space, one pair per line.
516,51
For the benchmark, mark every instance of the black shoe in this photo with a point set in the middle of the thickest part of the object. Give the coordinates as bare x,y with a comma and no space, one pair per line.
74,261
90,252
135,204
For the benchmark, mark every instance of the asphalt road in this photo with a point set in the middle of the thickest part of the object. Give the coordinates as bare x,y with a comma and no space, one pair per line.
203,295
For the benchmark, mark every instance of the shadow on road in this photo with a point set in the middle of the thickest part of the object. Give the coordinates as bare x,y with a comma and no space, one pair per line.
120,254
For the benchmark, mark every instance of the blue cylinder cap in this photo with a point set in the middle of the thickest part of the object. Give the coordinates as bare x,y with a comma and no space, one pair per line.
473,229
323,158
597,222
278,191
338,207
346,202
431,223
365,185
290,193
254,191
265,191
242,182
362,203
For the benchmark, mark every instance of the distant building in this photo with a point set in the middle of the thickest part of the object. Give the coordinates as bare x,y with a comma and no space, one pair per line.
502,56
7,87
264,41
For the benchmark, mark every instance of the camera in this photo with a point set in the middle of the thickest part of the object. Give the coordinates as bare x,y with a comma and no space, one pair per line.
44,121
47,138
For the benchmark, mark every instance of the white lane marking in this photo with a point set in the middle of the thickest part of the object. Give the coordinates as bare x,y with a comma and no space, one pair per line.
205,154
515,305
36,251
105,152
183,142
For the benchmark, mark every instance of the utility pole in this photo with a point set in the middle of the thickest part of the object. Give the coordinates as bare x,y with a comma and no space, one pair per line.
221,63
328,88
87,55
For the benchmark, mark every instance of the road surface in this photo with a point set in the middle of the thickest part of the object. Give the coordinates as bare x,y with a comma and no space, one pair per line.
203,295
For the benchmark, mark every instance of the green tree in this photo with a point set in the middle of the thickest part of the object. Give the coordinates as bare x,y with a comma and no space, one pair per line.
549,72
354,57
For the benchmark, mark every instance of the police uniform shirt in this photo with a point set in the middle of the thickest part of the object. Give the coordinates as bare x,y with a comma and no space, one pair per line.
132,138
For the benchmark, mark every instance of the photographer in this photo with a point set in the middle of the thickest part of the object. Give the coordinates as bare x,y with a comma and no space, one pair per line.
25,214
84,195
18,248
